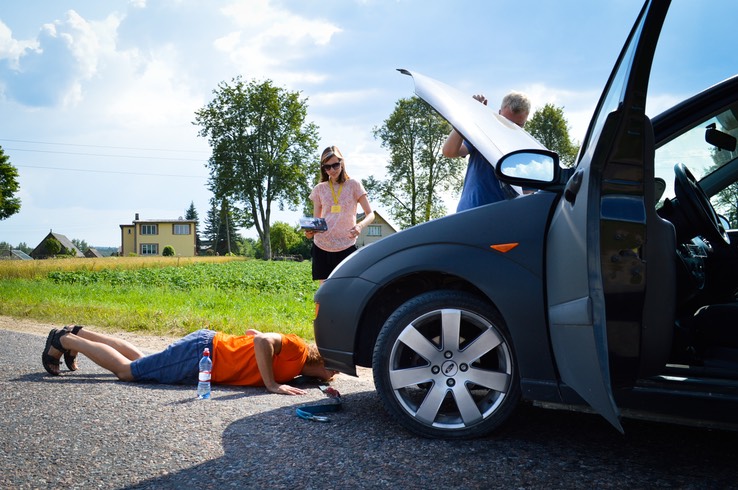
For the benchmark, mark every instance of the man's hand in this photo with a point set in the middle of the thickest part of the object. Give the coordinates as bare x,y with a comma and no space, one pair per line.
481,98
286,390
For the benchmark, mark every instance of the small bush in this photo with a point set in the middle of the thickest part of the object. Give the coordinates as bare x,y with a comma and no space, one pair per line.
168,251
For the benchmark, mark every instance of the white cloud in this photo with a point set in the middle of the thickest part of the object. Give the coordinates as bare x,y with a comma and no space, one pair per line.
150,91
11,49
269,38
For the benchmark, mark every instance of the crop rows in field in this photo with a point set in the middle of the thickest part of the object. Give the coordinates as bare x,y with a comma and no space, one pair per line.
261,276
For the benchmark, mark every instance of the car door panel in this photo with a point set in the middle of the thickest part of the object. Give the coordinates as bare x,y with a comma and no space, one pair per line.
595,251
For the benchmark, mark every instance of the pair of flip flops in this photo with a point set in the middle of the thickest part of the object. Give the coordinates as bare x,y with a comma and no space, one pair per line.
54,340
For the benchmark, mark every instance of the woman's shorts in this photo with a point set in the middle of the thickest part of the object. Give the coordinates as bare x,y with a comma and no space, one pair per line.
324,262
178,363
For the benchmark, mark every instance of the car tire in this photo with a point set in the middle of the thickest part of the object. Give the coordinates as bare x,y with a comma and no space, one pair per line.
444,366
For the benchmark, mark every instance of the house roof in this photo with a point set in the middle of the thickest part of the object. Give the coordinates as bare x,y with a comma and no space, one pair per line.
16,254
92,253
63,240
158,221
377,214
21,254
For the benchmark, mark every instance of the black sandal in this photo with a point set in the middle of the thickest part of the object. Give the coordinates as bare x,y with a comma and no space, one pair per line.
53,340
71,359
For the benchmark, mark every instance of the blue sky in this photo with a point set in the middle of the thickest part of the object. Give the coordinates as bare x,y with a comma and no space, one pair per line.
97,98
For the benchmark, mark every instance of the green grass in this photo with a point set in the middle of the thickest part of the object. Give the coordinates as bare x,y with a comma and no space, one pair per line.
167,299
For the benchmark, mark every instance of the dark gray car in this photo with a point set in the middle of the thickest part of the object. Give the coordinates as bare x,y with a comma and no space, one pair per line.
581,295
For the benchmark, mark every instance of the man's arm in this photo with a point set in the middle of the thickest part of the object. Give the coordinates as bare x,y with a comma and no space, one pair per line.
266,346
454,146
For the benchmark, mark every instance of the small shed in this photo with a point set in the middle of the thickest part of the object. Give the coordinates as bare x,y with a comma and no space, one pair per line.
15,255
93,253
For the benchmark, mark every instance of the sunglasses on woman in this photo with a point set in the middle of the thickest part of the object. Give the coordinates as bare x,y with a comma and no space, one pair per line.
334,166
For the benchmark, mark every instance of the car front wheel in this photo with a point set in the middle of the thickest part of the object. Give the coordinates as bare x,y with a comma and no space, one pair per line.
444,366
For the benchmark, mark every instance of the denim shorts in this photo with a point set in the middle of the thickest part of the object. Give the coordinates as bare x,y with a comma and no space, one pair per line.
178,363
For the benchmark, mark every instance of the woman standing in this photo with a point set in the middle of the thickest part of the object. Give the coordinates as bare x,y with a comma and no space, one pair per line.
335,198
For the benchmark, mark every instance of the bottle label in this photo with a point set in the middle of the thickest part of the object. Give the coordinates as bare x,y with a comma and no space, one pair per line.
204,376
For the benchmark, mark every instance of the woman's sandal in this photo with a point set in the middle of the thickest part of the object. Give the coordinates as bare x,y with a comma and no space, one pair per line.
71,359
53,340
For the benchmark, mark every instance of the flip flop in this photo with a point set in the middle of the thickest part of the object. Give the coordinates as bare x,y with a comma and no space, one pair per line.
47,359
71,359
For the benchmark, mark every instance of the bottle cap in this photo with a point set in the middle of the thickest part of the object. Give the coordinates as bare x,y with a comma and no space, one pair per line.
206,352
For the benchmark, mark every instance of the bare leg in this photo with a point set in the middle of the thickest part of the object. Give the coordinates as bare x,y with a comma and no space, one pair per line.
128,350
102,354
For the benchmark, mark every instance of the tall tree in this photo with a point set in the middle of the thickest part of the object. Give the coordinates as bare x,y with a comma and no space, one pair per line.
9,203
81,245
549,126
263,150
191,213
220,228
417,171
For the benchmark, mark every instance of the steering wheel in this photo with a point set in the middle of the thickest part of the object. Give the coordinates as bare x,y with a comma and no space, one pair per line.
696,206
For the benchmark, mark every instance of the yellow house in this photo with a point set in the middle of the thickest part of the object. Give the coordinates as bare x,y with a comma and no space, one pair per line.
379,229
149,237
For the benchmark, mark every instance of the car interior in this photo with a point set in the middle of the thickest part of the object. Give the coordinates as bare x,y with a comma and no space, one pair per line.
696,173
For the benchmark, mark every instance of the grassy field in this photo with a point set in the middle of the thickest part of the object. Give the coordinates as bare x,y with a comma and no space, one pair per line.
167,296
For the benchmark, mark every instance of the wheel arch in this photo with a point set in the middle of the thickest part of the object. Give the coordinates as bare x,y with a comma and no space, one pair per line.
503,280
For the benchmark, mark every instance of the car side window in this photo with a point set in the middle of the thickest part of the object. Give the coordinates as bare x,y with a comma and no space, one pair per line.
701,158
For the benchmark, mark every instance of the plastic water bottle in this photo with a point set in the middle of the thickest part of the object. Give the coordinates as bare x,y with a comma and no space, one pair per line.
203,383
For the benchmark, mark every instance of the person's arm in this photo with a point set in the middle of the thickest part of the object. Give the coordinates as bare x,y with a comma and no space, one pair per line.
454,146
368,217
266,346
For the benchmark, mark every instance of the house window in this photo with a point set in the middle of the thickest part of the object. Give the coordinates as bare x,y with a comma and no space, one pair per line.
149,249
374,230
181,229
149,230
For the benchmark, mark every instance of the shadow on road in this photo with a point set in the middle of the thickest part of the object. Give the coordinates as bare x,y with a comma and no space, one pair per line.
541,448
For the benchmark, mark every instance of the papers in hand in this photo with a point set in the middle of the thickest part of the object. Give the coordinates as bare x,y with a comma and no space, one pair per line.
314,224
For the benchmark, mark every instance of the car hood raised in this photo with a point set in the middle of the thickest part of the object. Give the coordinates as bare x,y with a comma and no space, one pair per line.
491,134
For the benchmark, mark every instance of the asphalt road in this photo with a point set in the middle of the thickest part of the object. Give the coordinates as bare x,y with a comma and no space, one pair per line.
87,430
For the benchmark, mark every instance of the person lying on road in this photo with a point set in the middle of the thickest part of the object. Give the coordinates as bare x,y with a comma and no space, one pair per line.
253,359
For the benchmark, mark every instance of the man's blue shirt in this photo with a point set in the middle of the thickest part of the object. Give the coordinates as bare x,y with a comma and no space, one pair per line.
480,184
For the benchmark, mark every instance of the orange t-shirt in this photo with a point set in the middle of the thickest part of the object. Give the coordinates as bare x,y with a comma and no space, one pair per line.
234,362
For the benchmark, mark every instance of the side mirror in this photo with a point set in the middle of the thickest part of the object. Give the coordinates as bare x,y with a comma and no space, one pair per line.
529,168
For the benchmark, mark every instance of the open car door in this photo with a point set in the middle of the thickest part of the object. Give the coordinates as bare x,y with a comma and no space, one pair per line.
596,249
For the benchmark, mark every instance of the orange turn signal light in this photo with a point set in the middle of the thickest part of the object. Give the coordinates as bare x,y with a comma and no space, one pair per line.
504,247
